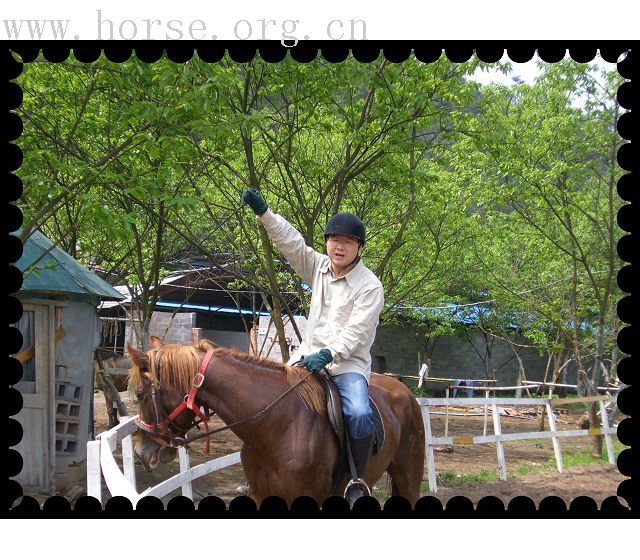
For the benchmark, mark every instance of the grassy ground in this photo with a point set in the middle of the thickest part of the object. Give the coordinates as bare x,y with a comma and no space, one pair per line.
449,479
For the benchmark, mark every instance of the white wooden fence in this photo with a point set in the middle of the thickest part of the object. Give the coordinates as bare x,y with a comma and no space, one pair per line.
122,482
499,438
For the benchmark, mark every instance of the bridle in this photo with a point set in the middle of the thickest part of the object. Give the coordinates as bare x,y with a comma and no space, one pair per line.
160,431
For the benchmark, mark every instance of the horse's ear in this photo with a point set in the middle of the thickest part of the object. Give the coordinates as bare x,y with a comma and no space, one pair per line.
156,342
139,358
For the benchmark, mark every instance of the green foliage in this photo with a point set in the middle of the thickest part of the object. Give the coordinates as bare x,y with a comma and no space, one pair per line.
419,392
494,194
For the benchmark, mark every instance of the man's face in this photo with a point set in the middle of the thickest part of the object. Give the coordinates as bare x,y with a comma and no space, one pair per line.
342,250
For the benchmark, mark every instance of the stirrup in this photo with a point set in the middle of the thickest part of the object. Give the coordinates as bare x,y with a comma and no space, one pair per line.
360,483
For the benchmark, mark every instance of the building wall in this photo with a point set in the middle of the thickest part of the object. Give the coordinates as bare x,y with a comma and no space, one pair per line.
395,350
74,384
172,329
226,330
181,329
398,348
222,322
228,339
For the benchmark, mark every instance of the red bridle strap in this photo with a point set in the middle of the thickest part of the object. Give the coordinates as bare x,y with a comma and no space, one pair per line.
189,402
152,433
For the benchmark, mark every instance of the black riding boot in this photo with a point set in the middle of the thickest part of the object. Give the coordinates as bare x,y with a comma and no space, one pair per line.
361,452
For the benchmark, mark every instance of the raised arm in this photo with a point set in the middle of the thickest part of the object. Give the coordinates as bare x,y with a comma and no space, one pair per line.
286,238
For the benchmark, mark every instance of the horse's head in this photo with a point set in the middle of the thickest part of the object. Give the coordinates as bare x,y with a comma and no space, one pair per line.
158,394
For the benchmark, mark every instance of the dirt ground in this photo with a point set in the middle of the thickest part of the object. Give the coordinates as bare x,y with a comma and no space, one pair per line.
598,481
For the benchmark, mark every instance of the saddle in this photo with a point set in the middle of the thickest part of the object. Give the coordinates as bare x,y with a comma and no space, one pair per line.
334,412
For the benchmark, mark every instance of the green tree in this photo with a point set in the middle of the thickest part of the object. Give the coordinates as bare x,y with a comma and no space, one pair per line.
545,175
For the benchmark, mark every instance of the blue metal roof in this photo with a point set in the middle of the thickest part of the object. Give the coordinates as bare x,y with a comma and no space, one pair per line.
47,269
212,308
202,307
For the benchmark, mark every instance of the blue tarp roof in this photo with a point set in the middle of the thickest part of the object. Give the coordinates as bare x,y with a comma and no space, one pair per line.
468,314
49,269
450,311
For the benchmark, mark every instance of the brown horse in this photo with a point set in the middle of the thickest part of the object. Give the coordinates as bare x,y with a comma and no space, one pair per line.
291,449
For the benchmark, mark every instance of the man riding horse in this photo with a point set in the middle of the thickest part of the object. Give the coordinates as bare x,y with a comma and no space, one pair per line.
346,302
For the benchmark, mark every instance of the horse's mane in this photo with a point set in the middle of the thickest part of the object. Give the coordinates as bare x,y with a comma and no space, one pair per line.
179,364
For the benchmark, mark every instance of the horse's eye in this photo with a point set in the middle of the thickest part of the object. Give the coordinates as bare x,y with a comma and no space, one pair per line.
139,395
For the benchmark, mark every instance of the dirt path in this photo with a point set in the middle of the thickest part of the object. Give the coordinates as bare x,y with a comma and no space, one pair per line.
596,481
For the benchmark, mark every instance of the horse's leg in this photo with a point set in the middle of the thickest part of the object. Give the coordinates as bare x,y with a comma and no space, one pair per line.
262,483
102,386
263,480
406,472
112,411
112,397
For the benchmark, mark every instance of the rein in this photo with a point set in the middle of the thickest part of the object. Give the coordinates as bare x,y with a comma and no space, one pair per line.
169,439
250,418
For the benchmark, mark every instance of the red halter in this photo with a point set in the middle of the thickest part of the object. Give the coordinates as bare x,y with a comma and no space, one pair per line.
160,432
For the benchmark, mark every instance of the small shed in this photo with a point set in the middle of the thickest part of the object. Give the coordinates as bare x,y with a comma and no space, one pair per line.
60,330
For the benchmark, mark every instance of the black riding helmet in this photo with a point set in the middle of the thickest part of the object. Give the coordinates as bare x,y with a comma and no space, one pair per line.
345,224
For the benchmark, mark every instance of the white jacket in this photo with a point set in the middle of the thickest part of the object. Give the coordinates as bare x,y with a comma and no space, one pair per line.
344,312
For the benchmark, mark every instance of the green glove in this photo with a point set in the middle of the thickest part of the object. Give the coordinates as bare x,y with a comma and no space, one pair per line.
255,201
315,362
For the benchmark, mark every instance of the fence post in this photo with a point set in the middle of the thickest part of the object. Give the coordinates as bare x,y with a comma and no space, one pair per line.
183,454
446,410
497,430
128,460
428,438
94,475
556,440
607,437
486,413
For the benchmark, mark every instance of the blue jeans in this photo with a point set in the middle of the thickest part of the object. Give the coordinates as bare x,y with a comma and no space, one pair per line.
354,393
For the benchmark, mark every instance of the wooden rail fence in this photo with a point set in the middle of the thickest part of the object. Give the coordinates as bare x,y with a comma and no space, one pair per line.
499,438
